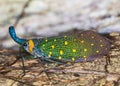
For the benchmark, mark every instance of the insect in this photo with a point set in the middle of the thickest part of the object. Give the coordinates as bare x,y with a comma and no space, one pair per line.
85,46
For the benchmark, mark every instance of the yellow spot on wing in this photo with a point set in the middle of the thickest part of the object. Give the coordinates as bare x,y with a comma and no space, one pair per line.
75,39
50,53
92,37
101,45
73,59
46,40
101,40
61,52
31,45
82,41
53,46
84,57
97,51
81,34
59,57
92,44
55,40
85,50
65,36
74,50
66,43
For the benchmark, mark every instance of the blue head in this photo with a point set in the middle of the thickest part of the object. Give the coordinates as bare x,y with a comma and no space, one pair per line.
14,37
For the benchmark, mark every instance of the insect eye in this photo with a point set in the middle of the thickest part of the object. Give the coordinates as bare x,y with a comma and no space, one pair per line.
25,45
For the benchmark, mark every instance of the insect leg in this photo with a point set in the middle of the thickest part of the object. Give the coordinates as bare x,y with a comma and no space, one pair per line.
22,58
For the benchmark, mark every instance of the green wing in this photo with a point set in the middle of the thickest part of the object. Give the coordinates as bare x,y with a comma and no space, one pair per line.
83,45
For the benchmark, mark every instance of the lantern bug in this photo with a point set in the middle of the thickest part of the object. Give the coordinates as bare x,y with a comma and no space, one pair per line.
85,46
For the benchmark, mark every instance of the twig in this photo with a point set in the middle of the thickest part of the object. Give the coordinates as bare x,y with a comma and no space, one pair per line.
15,79
22,13
58,70
81,72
